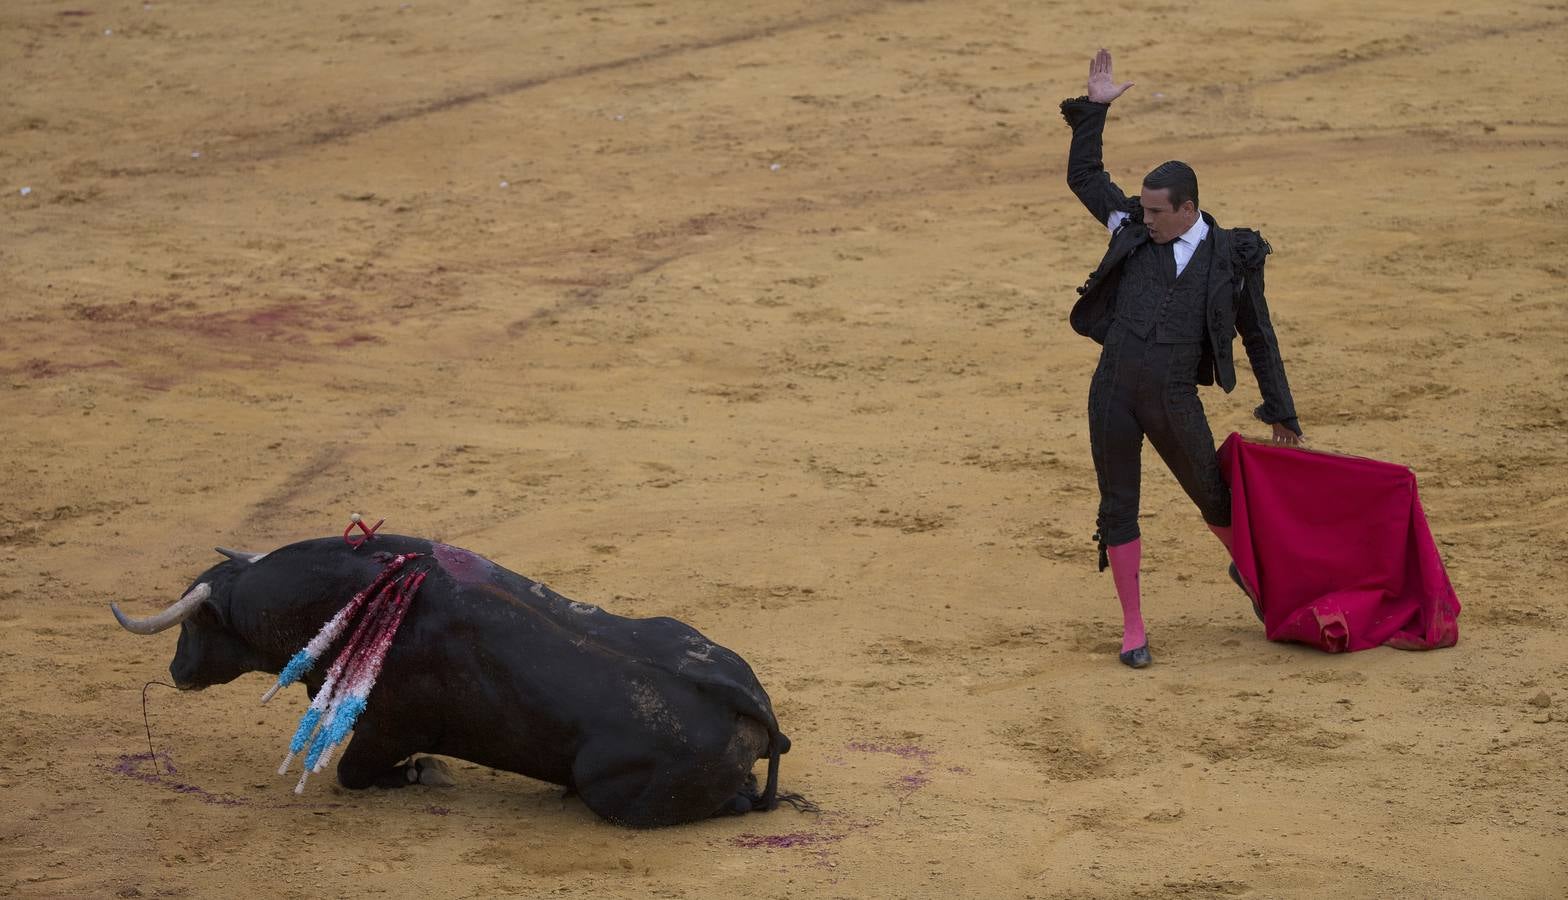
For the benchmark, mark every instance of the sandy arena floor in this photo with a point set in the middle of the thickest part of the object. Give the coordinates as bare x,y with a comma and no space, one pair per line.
755,315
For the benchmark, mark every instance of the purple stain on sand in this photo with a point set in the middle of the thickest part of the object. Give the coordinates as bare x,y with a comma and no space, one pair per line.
784,841
902,751
959,770
438,810
131,765
914,781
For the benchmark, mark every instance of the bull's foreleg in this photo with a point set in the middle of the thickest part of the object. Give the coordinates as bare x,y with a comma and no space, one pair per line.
373,760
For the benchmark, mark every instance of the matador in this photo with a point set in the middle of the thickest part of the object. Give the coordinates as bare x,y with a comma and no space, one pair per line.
1165,303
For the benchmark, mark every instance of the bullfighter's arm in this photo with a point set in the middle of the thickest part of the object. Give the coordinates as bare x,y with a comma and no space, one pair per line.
1257,336
1086,174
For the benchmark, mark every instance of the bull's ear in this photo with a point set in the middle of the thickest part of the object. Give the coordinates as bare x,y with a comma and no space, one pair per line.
240,556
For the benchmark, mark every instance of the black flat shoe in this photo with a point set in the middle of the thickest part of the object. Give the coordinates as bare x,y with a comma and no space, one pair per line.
1236,577
1137,657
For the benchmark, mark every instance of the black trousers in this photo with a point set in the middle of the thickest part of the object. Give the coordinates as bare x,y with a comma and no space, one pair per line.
1143,388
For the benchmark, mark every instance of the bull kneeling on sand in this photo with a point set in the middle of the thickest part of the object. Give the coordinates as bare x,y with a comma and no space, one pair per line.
646,720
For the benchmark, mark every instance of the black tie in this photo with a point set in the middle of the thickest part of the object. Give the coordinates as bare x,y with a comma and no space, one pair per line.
1168,254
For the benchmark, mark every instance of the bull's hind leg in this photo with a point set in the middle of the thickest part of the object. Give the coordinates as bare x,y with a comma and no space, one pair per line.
629,781
631,784
611,778
373,760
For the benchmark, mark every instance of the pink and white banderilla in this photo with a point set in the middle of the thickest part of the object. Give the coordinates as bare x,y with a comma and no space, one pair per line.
379,609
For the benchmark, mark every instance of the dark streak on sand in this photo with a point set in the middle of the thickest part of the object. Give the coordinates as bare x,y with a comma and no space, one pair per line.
455,101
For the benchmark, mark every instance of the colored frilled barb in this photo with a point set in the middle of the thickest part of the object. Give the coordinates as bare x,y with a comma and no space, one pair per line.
374,614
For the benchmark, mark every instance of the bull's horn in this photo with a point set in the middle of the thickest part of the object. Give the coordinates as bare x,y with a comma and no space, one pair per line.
182,609
240,555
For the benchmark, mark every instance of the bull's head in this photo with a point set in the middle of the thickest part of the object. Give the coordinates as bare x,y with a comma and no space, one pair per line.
210,651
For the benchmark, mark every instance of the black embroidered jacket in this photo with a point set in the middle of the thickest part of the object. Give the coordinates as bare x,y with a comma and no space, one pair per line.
1234,302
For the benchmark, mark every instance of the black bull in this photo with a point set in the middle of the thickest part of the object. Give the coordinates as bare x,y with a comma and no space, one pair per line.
649,722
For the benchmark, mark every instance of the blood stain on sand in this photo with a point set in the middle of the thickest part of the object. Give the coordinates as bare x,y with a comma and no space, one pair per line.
784,841
902,751
130,765
909,782
282,321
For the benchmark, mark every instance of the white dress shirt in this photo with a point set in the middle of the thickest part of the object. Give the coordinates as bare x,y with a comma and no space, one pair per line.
1183,247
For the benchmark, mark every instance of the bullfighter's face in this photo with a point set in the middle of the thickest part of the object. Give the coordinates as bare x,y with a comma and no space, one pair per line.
1166,223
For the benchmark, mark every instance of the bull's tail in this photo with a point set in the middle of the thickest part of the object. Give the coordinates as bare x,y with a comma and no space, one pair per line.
778,745
770,792
753,704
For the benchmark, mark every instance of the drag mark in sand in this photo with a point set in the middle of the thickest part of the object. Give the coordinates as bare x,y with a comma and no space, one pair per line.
759,32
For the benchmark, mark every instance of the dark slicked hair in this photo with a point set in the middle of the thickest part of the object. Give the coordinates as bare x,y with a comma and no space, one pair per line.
1176,177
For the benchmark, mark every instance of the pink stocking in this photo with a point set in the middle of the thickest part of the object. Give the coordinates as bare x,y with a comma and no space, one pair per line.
1124,571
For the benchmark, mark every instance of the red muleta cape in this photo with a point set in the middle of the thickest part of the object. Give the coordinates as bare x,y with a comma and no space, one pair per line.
1337,549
